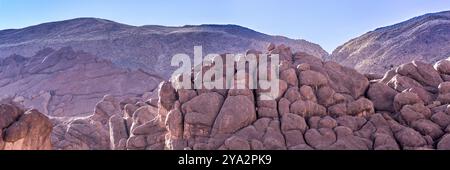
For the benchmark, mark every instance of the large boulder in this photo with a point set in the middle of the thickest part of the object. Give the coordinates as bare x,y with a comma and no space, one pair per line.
237,112
382,97
24,130
346,80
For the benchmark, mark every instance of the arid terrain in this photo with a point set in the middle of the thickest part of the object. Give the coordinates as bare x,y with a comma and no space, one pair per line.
94,84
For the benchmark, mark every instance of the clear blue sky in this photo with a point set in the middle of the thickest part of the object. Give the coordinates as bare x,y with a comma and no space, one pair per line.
326,22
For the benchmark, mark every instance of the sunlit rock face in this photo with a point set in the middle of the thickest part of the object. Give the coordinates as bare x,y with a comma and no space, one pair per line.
23,130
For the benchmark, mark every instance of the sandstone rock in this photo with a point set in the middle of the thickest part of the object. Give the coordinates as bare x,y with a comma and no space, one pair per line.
385,142
9,114
430,75
444,143
312,78
307,94
408,137
291,121
354,123
186,95
443,66
444,98
30,131
174,124
442,119
273,139
202,109
283,106
423,94
307,109
325,96
444,88
303,67
382,96
327,122
338,110
143,115
294,138
320,138
236,113
427,127
237,143
117,131
347,141
362,106
406,98
401,83
167,95
267,112
346,80
292,94
290,77
409,114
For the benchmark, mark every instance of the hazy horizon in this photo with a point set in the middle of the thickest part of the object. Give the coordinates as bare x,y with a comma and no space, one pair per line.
327,23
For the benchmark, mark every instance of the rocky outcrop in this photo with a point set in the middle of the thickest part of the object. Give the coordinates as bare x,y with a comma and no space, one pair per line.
321,106
23,130
424,38
324,106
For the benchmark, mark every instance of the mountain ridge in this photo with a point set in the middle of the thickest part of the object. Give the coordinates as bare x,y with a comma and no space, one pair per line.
141,47
421,38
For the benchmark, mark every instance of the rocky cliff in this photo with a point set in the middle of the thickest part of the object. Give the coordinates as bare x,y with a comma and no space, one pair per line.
424,38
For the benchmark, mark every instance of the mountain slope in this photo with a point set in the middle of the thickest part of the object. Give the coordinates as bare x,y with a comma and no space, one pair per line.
65,82
424,38
147,47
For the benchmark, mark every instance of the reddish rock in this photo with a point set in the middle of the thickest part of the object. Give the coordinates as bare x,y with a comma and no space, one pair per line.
406,98
236,113
444,143
291,121
362,106
289,76
382,96
320,138
312,78
29,131
307,109
443,66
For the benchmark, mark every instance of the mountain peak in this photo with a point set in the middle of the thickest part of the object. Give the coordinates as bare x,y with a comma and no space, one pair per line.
424,38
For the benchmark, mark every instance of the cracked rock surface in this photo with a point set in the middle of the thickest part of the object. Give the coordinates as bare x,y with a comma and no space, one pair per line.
323,106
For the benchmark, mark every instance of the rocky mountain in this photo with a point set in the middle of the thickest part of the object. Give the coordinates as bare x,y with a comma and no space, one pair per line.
423,38
149,48
322,105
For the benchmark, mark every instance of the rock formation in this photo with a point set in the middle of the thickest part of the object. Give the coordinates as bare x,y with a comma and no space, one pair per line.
424,38
323,105
23,130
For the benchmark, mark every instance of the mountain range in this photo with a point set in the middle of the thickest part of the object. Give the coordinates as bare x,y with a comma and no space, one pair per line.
149,47
425,38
